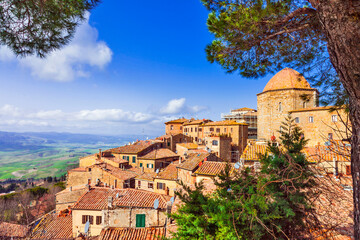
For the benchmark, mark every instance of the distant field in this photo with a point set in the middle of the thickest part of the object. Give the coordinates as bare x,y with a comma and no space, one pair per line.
43,161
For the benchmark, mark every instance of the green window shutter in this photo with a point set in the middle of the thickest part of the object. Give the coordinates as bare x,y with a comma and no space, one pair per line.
141,164
127,158
134,159
140,220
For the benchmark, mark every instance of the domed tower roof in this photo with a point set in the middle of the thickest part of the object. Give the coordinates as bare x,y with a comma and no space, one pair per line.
285,79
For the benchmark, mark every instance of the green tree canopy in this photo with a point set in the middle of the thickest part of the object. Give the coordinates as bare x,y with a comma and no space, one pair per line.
40,26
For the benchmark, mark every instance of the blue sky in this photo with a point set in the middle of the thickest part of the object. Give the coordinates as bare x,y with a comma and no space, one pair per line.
131,66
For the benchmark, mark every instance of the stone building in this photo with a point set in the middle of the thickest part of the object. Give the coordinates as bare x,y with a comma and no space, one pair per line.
106,207
237,131
156,159
289,92
169,141
247,115
175,126
220,145
194,129
165,181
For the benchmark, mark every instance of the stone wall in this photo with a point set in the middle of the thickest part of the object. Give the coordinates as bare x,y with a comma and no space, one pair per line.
273,106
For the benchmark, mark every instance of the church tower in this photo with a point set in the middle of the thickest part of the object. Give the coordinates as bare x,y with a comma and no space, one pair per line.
286,91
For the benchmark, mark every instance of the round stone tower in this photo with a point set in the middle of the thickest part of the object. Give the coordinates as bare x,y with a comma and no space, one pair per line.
287,90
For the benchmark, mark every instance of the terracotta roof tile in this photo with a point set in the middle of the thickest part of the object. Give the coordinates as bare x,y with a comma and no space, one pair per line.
197,122
180,120
285,79
193,161
243,109
133,148
97,199
224,123
212,168
118,172
147,176
188,145
169,173
327,153
159,154
252,152
10,230
151,233
53,227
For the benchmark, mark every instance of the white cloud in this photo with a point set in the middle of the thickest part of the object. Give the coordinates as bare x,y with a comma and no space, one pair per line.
52,114
9,110
112,115
178,106
70,62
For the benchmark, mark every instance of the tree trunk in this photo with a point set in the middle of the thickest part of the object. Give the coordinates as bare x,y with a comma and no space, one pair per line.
341,23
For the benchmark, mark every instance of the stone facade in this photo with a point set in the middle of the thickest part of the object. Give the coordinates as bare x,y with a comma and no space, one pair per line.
320,125
220,145
275,105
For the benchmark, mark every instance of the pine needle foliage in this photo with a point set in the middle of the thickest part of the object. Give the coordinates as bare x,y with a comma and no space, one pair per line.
271,203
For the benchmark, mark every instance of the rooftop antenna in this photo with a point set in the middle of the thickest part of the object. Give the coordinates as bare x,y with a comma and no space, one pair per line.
156,204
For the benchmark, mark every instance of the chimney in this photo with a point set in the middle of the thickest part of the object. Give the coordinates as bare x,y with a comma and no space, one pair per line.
110,202
100,154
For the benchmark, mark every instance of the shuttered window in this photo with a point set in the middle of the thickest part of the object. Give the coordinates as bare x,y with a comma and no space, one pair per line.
140,220
348,170
98,220
86,218
160,186
133,159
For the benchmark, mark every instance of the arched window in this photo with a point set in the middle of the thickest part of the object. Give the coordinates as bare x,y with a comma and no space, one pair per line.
280,107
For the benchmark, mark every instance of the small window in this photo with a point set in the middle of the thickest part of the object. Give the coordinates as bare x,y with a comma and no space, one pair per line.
200,129
168,144
214,142
139,183
115,183
330,136
231,130
195,129
98,220
171,127
334,118
161,186
196,139
150,185
218,130
280,107
297,120
133,159
127,158
311,119
180,127
191,129
304,104
141,164
211,129
140,220
224,129
150,165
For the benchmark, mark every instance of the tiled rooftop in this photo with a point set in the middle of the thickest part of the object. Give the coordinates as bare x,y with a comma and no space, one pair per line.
151,233
169,173
188,145
118,172
159,154
97,199
146,176
224,123
328,153
53,227
180,120
243,109
197,122
252,152
193,161
285,79
212,168
133,148
10,230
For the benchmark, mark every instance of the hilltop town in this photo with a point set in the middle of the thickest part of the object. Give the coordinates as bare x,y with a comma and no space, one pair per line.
130,190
